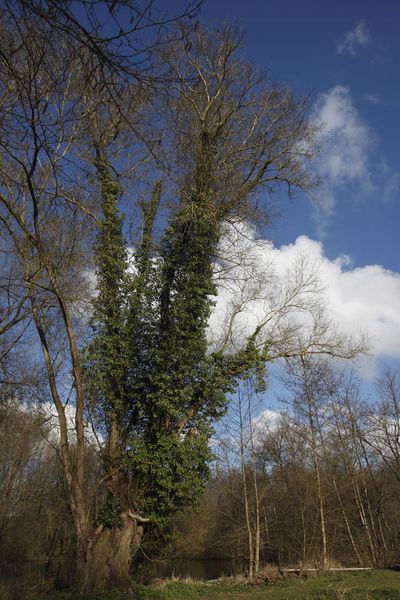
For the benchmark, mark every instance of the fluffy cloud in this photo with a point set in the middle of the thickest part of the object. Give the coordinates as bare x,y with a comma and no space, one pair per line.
344,137
345,142
281,288
347,160
354,40
260,288
365,299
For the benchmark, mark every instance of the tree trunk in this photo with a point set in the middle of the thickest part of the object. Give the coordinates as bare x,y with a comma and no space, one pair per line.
347,523
256,494
245,495
104,561
339,498
318,486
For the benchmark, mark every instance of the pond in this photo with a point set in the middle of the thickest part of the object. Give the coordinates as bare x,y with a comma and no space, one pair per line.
200,569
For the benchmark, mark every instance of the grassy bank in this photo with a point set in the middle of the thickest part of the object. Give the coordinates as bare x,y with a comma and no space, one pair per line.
379,585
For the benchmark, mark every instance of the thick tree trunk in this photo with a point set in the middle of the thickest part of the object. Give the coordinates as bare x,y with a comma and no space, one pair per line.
104,561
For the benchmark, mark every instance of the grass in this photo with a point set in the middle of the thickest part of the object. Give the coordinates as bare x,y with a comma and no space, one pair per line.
368,585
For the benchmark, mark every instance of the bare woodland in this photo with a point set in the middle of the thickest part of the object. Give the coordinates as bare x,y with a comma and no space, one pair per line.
313,486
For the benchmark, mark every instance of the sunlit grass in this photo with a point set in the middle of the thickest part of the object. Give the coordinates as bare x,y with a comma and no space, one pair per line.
370,585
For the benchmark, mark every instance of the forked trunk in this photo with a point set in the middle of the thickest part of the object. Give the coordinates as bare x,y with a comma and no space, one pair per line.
105,560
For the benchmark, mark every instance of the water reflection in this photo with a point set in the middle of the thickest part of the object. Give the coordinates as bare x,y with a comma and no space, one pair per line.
201,569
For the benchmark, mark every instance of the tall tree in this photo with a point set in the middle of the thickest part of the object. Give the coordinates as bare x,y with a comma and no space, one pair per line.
49,210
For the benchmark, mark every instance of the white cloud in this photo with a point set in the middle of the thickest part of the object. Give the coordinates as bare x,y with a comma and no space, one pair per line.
356,299
345,141
266,421
256,280
355,39
347,159
257,289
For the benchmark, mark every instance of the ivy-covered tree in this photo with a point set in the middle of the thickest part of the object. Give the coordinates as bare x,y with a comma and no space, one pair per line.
181,390
107,557
158,384
109,351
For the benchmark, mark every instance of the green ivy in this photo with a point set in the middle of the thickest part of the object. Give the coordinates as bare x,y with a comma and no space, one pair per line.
150,367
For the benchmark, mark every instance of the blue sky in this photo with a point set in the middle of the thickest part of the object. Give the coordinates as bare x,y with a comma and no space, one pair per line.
314,47
346,56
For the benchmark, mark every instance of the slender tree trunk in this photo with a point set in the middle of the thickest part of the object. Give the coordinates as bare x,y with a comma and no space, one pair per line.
318,485
71,471
347,524
305,548
363,519
379,537
314,423
258,535
256,493
245,495
340,501
103,555
371,520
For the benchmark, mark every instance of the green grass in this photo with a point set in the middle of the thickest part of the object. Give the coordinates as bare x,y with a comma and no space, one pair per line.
367,585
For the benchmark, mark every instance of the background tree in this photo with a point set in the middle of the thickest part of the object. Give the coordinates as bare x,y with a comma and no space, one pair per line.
236,451
310,384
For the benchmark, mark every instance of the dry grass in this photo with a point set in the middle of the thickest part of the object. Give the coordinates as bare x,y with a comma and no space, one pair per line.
368,585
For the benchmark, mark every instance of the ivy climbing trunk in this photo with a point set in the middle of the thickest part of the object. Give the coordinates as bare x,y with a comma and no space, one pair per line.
105,557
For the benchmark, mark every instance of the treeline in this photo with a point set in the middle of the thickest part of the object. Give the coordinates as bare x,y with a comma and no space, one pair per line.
315,485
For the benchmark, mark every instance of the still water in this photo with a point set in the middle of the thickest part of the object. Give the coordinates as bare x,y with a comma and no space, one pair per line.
203,569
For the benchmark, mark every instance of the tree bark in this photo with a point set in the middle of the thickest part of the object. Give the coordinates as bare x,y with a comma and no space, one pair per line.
104,560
